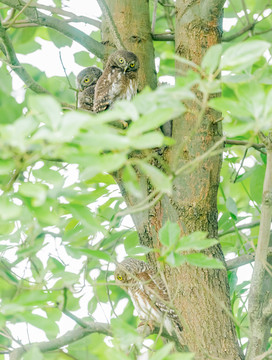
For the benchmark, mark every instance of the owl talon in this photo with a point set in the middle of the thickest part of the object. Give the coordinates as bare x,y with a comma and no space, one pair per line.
124,123
142,327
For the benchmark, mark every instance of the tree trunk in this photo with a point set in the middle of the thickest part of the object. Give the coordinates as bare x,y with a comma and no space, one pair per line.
201,296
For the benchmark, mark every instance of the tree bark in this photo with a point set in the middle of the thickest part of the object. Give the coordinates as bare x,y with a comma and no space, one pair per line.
201,296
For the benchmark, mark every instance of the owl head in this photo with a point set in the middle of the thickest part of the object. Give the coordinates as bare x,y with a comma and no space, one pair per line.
126,272
88,77
125,60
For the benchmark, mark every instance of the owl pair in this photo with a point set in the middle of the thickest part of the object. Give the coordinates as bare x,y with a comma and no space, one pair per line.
99,90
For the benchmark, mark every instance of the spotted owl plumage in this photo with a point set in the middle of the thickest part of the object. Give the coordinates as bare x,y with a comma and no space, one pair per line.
86,81
148,294
119,80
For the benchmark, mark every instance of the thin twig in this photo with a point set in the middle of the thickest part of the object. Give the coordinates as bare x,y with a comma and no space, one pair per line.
210,152
16,66
72,17
67,77
19,13
241,165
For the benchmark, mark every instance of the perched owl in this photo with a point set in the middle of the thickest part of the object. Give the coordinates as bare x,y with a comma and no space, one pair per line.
86,81
148,294
119,80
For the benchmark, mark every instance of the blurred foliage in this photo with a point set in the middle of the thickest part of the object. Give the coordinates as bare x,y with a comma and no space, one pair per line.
62,218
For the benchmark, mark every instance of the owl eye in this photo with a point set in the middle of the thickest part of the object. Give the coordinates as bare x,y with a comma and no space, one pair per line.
86,80
121,60
120,278
132,65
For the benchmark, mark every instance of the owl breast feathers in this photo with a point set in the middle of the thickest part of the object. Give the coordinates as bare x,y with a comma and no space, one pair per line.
86,81
148,294
119,80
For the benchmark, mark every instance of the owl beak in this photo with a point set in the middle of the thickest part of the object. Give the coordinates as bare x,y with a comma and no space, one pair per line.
125,68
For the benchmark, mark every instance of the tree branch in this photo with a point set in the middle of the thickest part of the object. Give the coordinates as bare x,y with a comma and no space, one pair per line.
163,37
80,333
39,18
68,338
72,17
245,143
14,63
257,301
240,261
240,227
244,260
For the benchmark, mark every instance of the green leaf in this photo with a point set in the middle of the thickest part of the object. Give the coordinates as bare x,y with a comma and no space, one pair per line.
59,39
231,206
33,354
125,333
131,241
159,180
47,325
128,108
147,141
103,163
139,250
195,241
82,58
204,261
47,108
169,234
211,59
162,353
6,166
150,121
86,217
36,191
243,54
175,259
9,210
98,254
131,182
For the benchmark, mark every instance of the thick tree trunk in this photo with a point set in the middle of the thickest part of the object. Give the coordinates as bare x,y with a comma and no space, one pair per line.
201,296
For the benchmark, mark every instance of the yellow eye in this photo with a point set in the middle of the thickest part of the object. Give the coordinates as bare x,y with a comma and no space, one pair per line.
121,60
86,80
132,65
119,278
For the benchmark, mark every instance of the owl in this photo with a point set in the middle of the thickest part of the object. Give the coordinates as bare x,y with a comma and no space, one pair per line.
119,80
86,81
148,294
